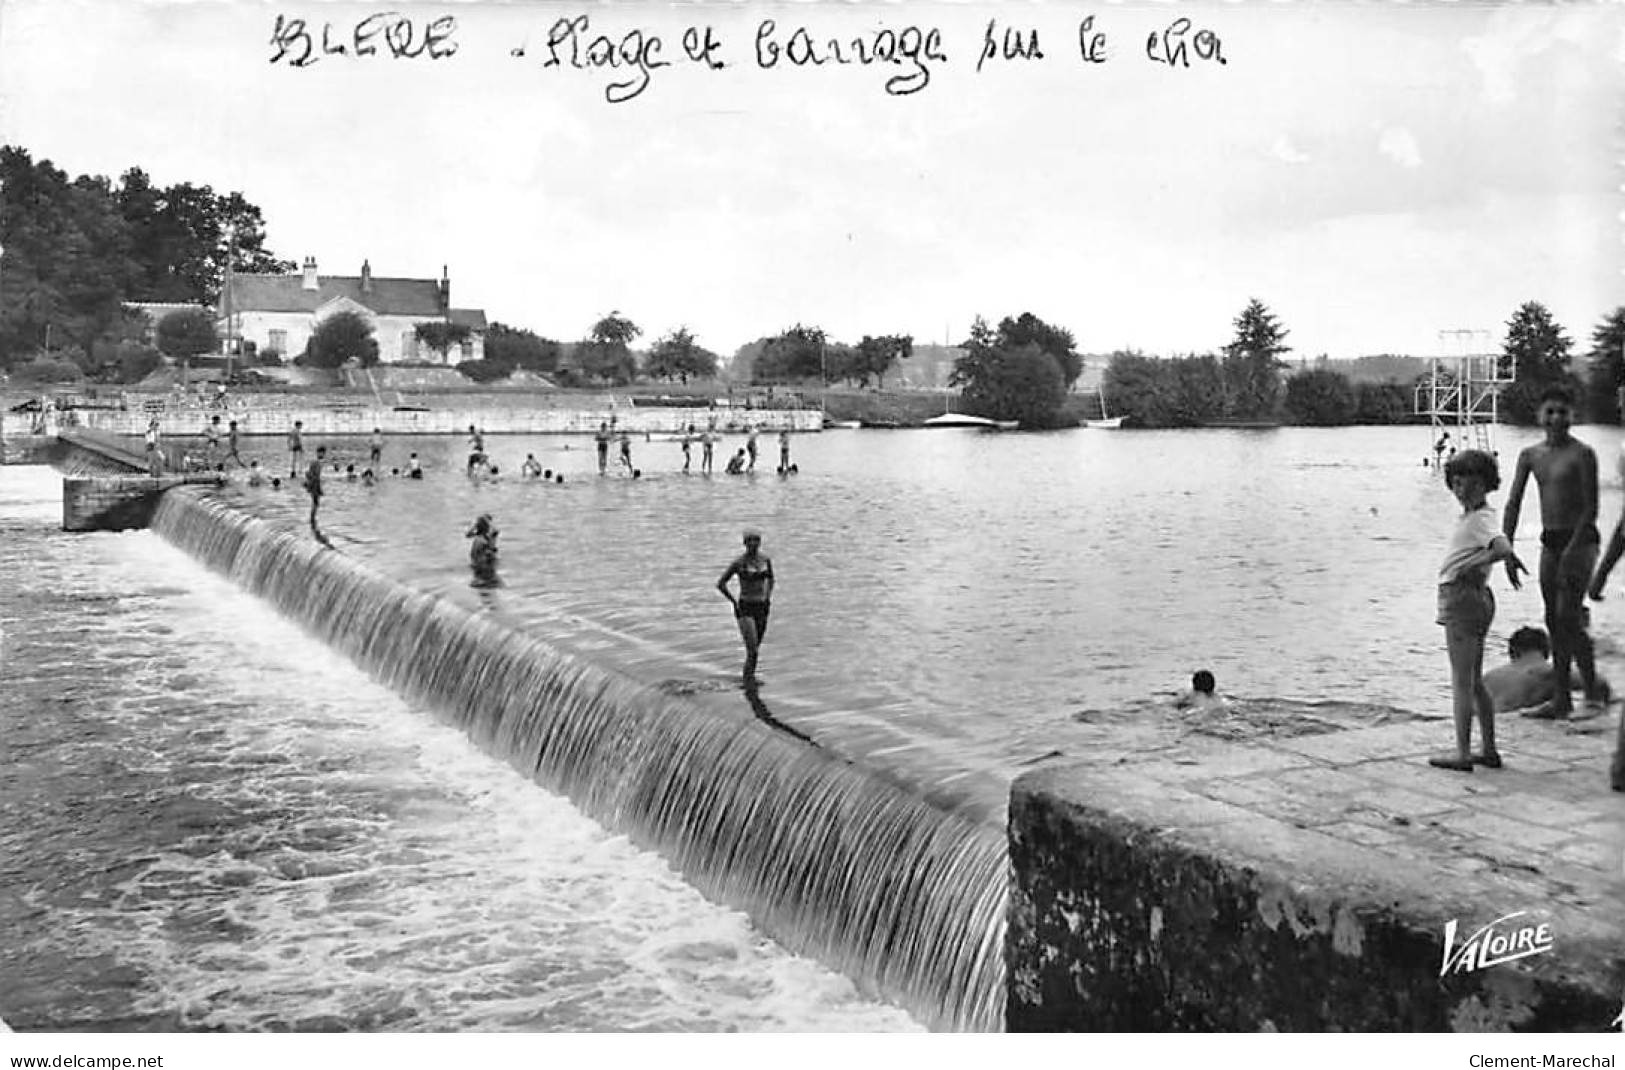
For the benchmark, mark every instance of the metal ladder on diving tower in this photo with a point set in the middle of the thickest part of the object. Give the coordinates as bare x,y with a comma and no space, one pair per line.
1460,394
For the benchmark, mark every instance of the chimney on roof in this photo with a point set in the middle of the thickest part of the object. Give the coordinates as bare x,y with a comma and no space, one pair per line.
310,274
366,277
445,291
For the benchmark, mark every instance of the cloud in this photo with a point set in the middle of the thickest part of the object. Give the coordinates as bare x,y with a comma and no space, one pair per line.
1286,152
1399,145
1521,33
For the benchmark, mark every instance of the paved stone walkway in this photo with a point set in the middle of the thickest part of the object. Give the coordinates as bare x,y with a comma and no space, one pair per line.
1362,810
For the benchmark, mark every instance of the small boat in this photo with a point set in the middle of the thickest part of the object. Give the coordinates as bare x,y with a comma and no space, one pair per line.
959,419
1105,423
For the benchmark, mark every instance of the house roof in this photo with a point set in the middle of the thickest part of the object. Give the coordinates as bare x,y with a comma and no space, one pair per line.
387,297
157,310
473,318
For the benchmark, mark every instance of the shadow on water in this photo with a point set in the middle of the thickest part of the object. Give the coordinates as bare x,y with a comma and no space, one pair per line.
753,695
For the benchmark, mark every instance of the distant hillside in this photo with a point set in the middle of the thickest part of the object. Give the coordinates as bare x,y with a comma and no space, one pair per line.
1384,368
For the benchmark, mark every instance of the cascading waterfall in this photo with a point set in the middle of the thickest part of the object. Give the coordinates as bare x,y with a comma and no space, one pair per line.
831,860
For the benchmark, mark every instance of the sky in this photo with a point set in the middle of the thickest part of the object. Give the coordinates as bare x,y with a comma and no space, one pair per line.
1374,172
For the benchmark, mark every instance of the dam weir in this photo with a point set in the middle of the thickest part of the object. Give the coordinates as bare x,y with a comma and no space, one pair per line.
831,860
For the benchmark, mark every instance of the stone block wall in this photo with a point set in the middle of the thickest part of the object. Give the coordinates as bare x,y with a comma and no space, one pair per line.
109,503
1119,922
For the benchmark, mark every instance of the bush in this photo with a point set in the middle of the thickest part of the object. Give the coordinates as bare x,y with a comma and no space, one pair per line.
484,371
43,370
339,339
137,361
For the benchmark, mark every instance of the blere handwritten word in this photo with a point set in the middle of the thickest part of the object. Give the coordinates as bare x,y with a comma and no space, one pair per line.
387,33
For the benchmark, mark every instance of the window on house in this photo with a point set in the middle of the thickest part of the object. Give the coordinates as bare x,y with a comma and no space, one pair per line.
467,349
278,341
409,345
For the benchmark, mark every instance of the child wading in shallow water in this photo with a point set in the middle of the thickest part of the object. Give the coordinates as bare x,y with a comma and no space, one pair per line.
1466,606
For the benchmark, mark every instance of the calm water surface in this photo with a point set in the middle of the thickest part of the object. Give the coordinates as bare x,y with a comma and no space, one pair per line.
210,821
953,598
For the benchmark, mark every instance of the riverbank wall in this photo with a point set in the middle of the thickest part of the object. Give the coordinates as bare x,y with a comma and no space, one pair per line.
1315,883
276,414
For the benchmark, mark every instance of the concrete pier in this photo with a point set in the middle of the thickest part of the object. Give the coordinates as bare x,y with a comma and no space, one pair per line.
1306,883
117,503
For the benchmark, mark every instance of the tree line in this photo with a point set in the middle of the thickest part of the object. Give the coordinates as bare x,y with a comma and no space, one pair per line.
74,251
1247,382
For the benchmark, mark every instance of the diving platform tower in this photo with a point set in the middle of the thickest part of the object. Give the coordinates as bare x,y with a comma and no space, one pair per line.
1460,394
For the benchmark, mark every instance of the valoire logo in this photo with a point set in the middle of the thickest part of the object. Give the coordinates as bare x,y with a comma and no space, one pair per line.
1494,944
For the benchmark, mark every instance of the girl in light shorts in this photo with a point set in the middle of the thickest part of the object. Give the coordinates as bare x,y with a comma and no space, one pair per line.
1466,605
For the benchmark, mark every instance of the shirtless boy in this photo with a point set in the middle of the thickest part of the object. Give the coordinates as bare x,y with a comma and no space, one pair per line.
1565,471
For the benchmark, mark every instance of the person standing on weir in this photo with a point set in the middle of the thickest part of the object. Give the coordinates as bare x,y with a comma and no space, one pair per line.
1565,471
155,464
601,439
313,485
708,445
211,439
296,448
755,572
375,450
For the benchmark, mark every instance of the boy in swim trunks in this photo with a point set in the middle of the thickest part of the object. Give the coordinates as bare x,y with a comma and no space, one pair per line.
313,485
1565,471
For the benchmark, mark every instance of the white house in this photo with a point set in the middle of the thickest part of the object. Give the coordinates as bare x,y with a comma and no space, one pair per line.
280,312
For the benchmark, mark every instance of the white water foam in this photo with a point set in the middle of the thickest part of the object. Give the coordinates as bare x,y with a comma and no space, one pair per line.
322,855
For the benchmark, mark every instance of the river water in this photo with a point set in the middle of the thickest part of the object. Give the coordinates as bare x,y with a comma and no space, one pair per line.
210,821
213,822
966,602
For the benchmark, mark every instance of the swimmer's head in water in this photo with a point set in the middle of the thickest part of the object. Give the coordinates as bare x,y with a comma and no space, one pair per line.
752,537
559,478
1203,681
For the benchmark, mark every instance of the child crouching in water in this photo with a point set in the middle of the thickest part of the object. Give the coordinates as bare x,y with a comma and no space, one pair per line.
1466,606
